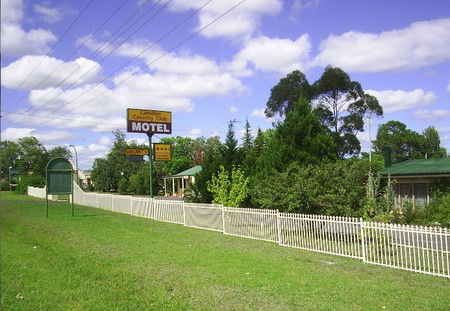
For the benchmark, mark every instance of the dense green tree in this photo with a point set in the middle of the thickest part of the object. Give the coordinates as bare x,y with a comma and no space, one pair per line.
299,138
230,151
182,155
405,143
59,152
34,156
102,175
107,172
432,143
342,107
286,92
9,154
212,160
333,188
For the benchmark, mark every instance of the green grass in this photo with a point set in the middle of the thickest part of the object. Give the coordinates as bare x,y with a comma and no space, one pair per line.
99,260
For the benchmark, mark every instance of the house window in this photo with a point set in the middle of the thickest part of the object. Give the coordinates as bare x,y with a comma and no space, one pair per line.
413,193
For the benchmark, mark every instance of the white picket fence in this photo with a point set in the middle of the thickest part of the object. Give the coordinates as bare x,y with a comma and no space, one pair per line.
414,248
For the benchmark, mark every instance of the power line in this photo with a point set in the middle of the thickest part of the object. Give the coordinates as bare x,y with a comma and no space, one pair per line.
164,54
141,53
77,49
100,49
52,48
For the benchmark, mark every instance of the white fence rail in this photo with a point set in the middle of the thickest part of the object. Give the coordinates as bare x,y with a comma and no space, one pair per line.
36,192
325,234
414,248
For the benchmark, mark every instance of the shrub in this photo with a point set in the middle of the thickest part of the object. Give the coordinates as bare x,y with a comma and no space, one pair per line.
30,180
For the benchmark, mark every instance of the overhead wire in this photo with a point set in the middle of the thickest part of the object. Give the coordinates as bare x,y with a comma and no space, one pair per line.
77,49
51,48
140,54
157,59
99,50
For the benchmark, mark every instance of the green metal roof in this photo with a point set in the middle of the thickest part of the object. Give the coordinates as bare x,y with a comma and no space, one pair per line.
419,167
191,171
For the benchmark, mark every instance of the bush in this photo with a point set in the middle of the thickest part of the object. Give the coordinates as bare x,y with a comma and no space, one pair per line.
334,188
4,185
31,180
123,185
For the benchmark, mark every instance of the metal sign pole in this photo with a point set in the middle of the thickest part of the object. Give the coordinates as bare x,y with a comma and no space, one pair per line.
73,198
150,159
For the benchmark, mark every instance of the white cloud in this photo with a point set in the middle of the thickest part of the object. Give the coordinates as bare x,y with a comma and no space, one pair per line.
50,15
194,133
88,153
445,129
84,70
259,113
448,87
233,109
214,134
239,23
273,54
432,115
15,41
398,100
106,110
14,133
420,44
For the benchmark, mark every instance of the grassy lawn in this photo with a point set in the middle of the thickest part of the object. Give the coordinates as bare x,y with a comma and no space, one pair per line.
99,260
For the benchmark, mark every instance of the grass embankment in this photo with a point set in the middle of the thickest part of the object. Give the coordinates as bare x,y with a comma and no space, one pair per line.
99,260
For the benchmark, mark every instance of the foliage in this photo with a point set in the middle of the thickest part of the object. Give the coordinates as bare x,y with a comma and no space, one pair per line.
405,144
9,153
139,182
212,160
30,180
432,143
229,189
342,107
107,172
123,185
301,138
230,152
286,93
331,188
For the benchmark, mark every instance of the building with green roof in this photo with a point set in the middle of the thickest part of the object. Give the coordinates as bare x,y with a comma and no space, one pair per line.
413,179
181,181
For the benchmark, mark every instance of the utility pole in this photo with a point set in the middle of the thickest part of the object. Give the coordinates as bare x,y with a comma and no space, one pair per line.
76,163
10,178
150,159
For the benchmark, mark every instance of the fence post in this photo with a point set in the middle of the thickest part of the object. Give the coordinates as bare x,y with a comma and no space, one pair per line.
131,205
223,220
112,203
97,201
280,241
363,239
184,214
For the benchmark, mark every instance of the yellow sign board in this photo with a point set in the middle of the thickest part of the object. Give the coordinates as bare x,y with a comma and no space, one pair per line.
136,151
162,152
149,121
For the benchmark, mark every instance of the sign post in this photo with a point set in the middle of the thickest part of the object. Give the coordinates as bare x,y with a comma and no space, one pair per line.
150,158
149,122
59,179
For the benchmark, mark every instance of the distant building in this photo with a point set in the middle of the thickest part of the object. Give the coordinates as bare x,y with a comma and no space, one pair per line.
413,179
180,182
84,177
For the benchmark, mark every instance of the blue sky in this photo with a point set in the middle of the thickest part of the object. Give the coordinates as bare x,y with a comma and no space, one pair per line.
399,51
